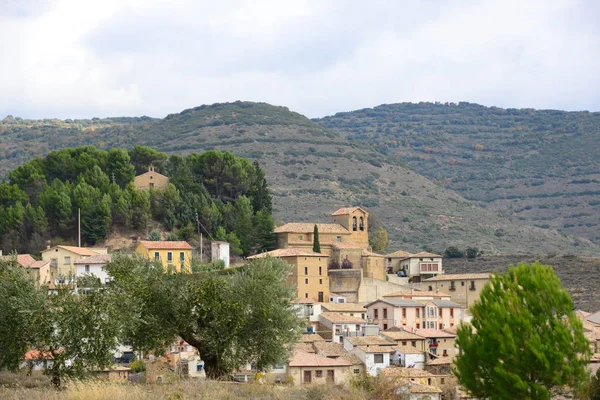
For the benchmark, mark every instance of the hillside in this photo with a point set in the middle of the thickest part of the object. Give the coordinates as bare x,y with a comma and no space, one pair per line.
311,170
536,167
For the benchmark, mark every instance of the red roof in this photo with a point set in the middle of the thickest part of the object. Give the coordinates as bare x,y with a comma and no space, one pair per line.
165,245
24,260
348,210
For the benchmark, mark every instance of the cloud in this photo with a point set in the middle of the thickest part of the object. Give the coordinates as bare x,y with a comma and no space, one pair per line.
68,58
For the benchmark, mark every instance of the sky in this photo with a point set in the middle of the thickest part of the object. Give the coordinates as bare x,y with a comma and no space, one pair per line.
88,58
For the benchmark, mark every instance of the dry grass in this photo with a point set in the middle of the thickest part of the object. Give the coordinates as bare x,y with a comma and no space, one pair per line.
99,390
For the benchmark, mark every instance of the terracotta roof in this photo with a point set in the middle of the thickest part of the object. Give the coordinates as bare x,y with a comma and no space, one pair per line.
441,361
338,318
38,355
405,372
82,251
344,307
419,388
329,349
311,337
434,333
165,245
424,254
288,252
366,253
303,359
348,210
305,300
95,259
305,347
408,350
412,292
458,277
377,349
39,264
352,359
302,227
24,260
369,341
398,303
346,246
402,335
398,254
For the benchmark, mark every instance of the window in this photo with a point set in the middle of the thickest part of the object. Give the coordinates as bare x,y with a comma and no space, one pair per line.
357,328
151,183
385,326
156,256
442,380
362,224
182,256
440,312
376,313
67,260
441,326
306,295
431,312
320,281
339,239
169,257
445,353
320,270
305,270
306,281
418,312
452,312
452,287
472,287
320,297
404,312
462,283
357,371
378,358
300,237
87,268
413,343
53,263
385,313
199,367
319,373
404,343
418,325
354,223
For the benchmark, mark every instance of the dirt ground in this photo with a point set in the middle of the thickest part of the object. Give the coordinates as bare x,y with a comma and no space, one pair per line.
579,275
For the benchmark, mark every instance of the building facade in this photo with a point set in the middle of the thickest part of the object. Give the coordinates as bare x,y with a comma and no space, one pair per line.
175,256
151,180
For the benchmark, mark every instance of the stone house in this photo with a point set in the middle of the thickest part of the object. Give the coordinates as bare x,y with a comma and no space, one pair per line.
405,338
305,368
439,342
463,289
150,180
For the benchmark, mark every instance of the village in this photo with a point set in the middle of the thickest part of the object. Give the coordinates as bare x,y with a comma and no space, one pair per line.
365,314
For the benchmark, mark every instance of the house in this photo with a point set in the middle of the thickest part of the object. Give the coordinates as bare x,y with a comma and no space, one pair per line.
416,376
463,289
115,374
405,338
336,326
306,368
417,267
309,271
150,180
93,266
328,349
375,358
415,391
63,258
158,370
354,341
336,298
389,313
415,294
40,271
308,310
357,310
440,343
174,256
409,357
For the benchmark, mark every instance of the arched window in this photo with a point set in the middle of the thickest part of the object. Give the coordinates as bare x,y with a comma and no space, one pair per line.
353,223
362,224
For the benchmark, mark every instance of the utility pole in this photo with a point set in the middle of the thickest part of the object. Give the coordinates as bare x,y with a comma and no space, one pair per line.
79,226
201,244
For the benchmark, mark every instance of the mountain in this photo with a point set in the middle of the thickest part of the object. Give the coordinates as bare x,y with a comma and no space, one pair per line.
311,170
535,167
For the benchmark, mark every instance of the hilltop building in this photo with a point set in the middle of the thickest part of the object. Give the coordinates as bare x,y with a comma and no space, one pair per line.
150,180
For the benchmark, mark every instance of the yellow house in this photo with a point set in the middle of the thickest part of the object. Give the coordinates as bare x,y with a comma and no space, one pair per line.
174,256
150,180
63,258
309,272
40,271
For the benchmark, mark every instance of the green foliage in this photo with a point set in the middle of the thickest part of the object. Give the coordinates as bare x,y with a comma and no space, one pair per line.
137,366
154,236
472,252
525,340
316,244
142,157
243,316
379,240
454,252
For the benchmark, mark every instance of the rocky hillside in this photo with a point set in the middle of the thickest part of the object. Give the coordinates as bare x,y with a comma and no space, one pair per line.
311,171
536,167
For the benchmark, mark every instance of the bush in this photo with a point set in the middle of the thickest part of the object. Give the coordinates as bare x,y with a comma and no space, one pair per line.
137,366
454,252
472,252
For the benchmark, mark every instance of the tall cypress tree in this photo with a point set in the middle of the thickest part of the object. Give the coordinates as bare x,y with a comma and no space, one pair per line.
316,244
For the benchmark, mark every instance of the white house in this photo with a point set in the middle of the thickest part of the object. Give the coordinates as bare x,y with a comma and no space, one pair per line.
93,265
409,357
419,266
337,298
220,251
337,326
375,358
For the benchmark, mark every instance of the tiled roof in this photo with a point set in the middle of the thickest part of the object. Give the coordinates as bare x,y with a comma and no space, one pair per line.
329,349
305,300
402,335
441,361
369,341
408,350
405,372
344,307
37,355
366,253
288,252
398,303
424,254
303,359
594,318
446,304
352,359
419,388
377,349
302,227
165,245
412,292
338,318
348,210
458,277
39,264
398,254
82,251
305,347
434,333
95,259
346,245
311,337
24,260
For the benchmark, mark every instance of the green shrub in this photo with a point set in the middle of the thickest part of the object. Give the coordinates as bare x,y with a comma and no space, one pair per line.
137,366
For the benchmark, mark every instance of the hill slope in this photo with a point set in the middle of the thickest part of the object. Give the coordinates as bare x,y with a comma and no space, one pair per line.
311,171
541,168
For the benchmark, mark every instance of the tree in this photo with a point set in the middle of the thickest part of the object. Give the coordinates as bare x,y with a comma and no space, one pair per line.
472,252
120,169
316,244
379,240
454,252
231,316
154,236
525,340
143,157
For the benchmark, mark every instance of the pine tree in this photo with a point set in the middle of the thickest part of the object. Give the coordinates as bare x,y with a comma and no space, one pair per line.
316,244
